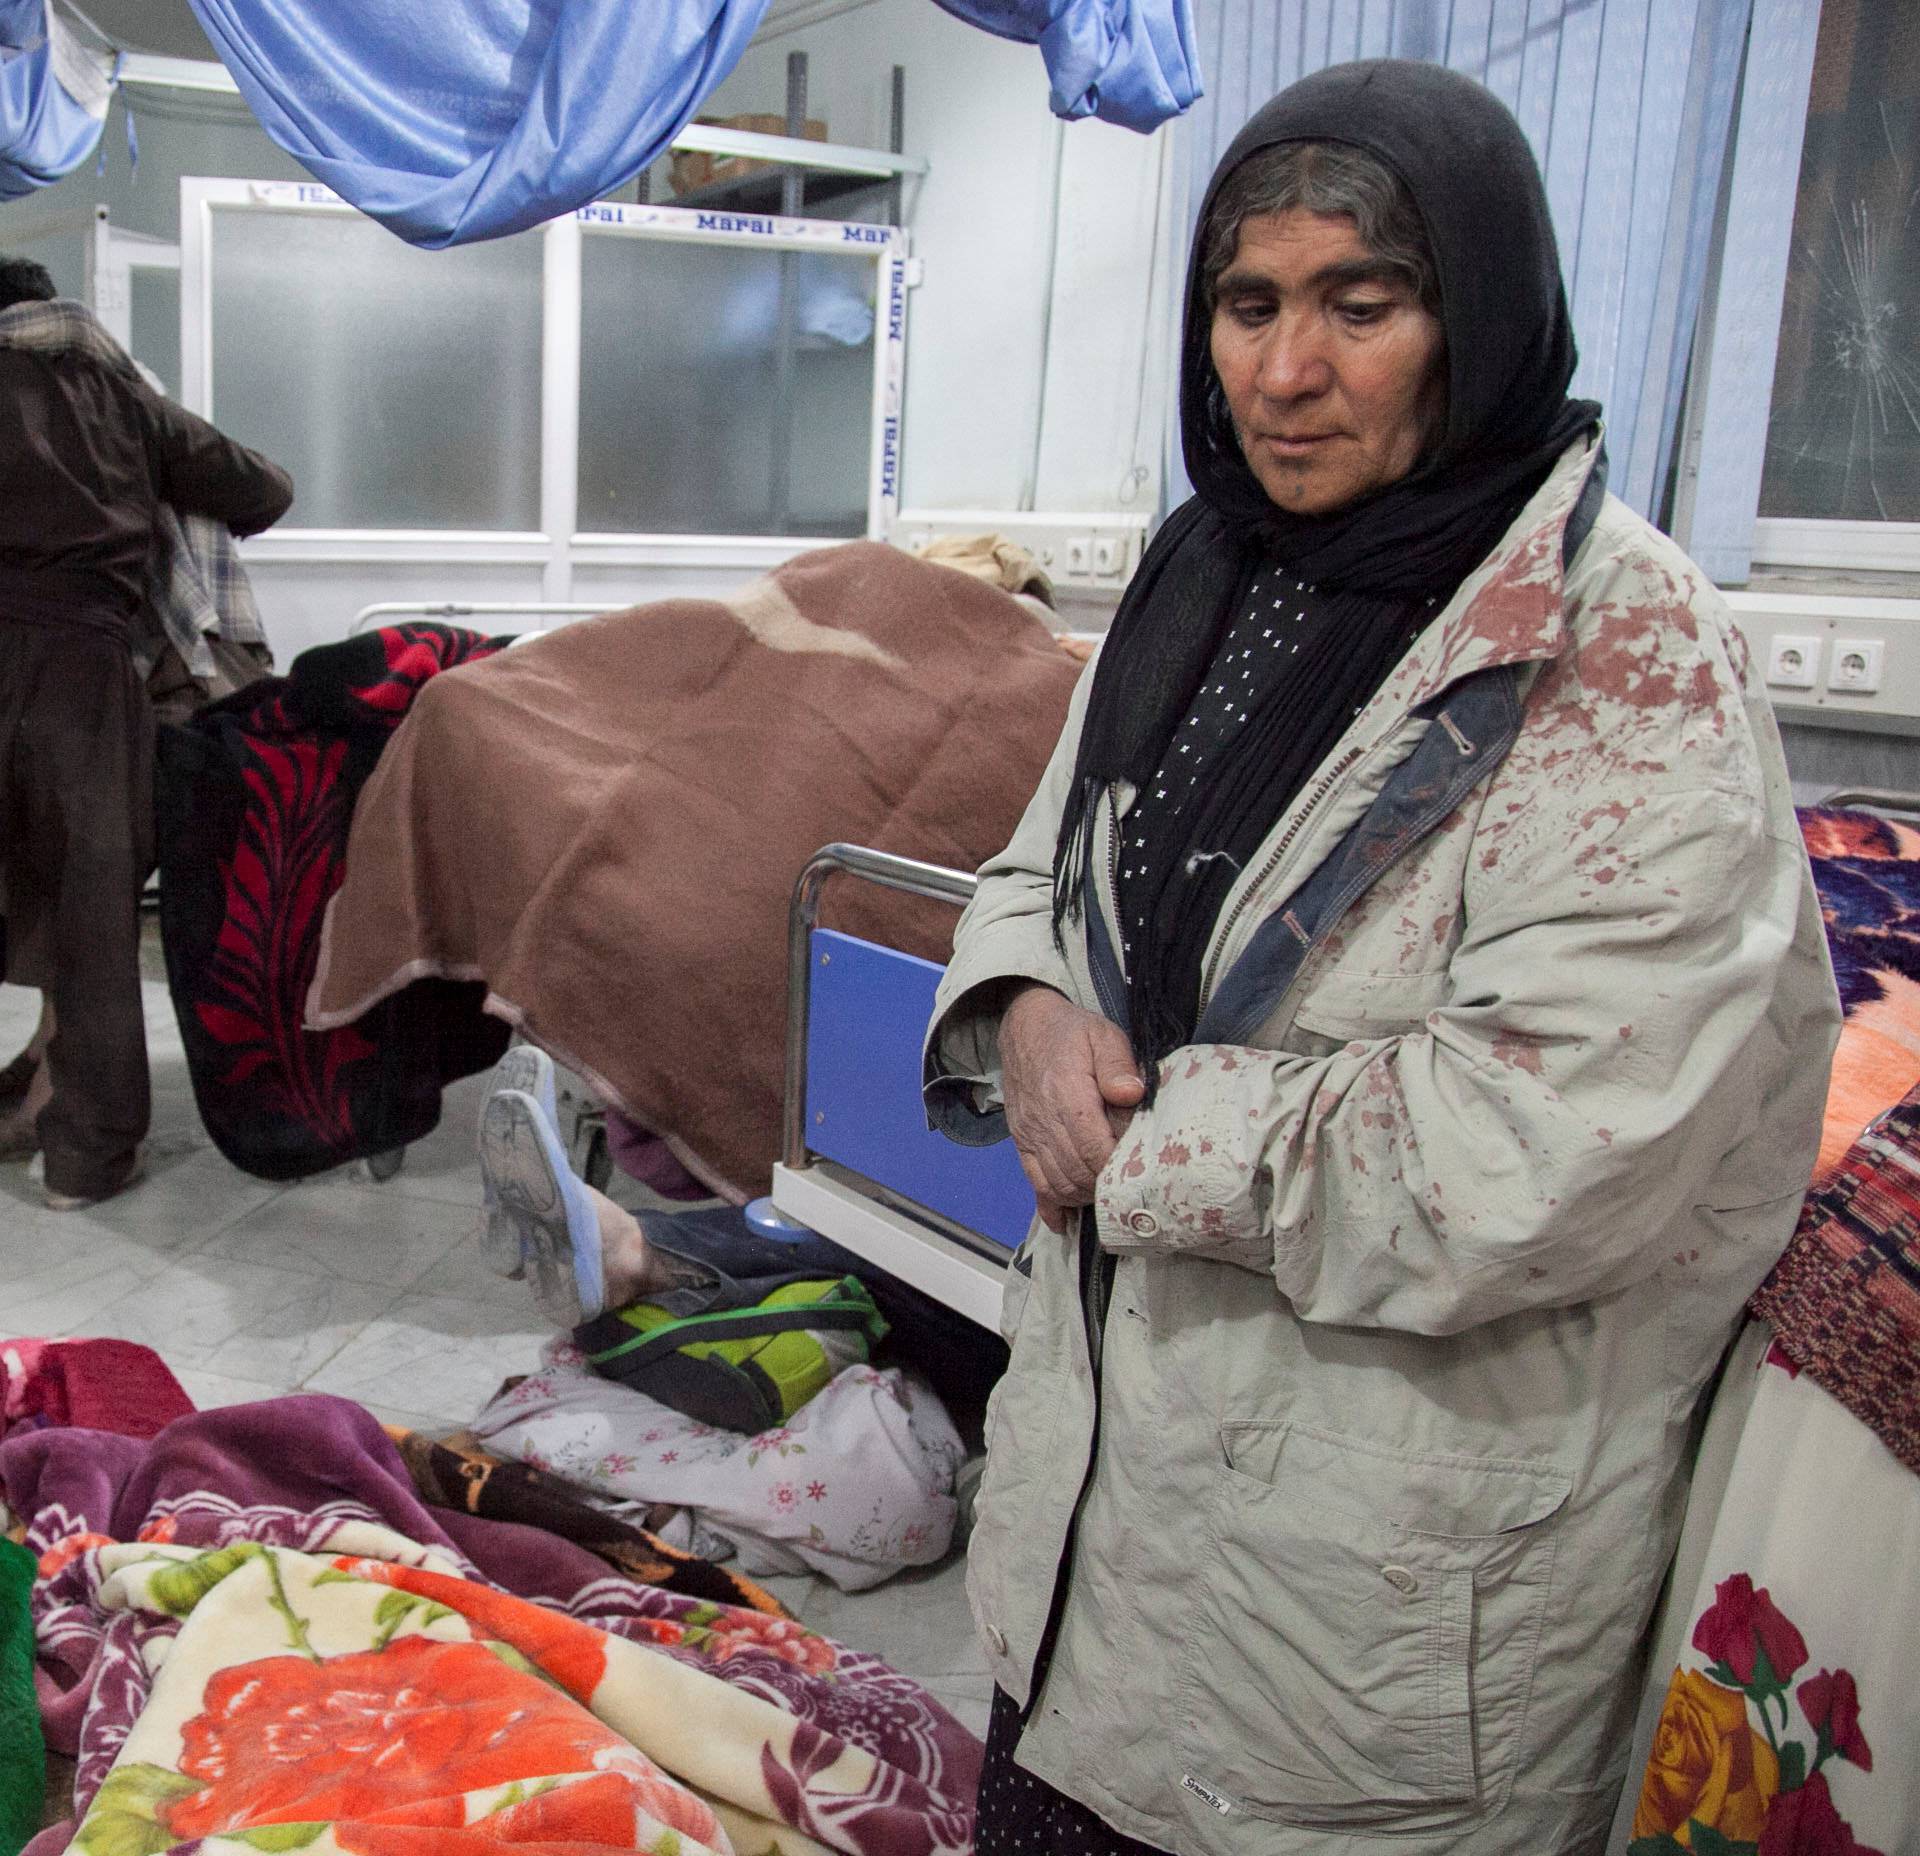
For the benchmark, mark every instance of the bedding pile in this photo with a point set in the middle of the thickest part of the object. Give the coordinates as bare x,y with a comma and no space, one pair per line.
236,1617
95,1385
253,800
1867,870
1844,1301
454,1473
856,1485
604,826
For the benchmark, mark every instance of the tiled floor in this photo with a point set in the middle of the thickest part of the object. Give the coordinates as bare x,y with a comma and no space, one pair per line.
371,1291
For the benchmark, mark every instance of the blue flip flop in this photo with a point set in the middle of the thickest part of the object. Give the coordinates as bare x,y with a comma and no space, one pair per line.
553,1218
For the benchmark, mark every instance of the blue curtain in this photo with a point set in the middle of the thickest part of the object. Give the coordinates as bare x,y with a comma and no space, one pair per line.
1126,61
53,98
463,121
1628,105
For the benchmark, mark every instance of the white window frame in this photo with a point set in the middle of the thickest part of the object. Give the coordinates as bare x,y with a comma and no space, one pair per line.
558,547
115,256
1730,403
1875,547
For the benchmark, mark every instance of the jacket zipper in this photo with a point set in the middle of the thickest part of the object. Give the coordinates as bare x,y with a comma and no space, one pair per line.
1320,790
1111,1006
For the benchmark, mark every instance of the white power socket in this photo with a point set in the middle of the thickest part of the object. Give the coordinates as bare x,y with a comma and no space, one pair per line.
1857,664
1089,553
1793,661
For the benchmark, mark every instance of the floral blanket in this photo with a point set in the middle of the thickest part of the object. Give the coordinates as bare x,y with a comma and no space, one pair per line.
454,1474
857,1484
1778,1717
1867,870
252,1632
375,1704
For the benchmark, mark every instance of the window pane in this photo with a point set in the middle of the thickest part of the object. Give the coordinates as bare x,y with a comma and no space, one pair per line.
154,322
60,243
689,423
400,387
1844,442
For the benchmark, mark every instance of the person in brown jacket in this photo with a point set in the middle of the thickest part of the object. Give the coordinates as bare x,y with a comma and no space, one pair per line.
88,455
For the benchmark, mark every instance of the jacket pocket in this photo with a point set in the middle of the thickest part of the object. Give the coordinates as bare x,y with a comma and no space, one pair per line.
1341,1007
1362,1645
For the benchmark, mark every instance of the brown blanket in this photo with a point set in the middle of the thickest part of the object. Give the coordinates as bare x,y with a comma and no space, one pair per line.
605,824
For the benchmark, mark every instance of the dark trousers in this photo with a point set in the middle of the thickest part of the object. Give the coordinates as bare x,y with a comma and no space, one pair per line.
76,842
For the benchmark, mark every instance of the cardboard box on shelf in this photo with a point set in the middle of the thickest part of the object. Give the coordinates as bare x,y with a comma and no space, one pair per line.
693,168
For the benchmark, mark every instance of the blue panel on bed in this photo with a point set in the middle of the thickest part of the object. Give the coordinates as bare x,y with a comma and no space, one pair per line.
867,1016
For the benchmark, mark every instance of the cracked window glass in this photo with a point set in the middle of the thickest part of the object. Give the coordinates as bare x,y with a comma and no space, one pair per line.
1844,439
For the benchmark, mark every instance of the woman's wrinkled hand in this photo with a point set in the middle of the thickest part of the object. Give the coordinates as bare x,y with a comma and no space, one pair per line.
1070,1086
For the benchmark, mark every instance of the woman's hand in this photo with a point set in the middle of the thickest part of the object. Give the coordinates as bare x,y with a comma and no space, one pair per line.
1070,1085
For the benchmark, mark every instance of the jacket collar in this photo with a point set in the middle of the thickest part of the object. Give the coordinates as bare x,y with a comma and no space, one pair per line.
1512,608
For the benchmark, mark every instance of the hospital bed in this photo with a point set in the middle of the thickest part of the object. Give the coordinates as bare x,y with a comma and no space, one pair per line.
858,1163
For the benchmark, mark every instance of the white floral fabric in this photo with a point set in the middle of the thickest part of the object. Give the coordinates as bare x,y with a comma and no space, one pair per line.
858,1484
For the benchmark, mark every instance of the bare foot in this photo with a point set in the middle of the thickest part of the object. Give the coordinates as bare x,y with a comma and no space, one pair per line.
633,1269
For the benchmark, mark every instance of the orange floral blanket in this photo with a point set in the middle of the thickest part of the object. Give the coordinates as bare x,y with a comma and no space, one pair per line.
369,1706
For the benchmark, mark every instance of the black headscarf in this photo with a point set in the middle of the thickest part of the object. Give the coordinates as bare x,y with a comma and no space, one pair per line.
1376,564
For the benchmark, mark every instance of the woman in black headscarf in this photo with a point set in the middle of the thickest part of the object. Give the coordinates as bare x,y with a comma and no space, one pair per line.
1408,997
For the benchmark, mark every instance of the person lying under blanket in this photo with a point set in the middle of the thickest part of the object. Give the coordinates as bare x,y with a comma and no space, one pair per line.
604,824
791,1446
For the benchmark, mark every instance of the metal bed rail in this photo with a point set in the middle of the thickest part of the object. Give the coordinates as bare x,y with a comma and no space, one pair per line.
803,915
1874,799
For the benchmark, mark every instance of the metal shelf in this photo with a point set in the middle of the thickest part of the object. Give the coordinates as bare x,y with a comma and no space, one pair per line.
804,175
765,192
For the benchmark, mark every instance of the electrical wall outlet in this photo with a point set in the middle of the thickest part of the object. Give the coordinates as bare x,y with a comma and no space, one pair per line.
1088,555
1857,664
1793,661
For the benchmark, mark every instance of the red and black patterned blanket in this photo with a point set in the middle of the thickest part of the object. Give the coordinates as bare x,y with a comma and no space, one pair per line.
255,797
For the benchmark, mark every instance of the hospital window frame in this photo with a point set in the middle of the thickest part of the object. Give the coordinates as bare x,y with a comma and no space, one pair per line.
559,547
1726,420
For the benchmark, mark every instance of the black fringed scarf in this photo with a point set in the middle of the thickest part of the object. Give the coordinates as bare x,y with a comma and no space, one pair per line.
1374,565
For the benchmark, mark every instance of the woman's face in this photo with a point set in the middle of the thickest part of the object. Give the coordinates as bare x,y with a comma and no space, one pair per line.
1331,366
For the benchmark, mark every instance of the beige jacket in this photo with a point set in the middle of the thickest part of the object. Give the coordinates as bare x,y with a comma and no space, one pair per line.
1420,1285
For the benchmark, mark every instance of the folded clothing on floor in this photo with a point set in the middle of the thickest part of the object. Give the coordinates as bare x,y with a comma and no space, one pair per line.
741,1354
452,1473
90,1385
958,1358
857,1485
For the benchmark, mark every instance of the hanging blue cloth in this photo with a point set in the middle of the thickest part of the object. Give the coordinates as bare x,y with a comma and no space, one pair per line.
451,123
53,99
1127,61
